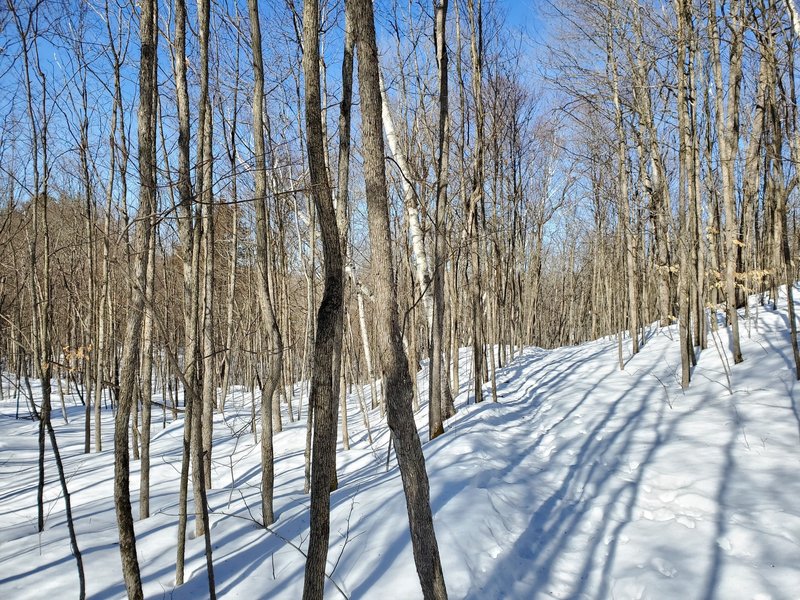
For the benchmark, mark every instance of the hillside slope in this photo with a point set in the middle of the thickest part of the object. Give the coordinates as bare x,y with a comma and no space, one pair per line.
583,481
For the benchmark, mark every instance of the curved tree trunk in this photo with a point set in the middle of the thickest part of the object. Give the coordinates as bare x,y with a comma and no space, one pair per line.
397,380
323,400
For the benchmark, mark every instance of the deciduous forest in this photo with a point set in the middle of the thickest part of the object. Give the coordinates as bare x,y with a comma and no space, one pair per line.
257,257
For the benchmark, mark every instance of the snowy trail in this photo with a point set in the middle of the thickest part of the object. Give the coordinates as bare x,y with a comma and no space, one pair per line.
606,491
583,481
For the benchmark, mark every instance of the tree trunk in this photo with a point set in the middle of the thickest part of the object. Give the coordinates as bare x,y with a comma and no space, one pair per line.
322,397
397,381
187,234
269,319
437,375
146,380
628,240
130,353
728,131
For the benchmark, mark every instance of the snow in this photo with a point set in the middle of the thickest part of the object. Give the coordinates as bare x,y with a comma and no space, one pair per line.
583,481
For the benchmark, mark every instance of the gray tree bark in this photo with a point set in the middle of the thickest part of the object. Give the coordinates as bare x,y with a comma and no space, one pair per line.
437,378
130,353
269,320
397,380
323,400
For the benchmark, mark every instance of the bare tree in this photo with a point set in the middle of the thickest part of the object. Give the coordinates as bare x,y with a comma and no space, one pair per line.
270,322
329,315
397,379
727,121
148,34
437,377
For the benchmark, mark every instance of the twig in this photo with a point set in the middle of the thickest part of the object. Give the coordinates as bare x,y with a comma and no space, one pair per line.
346,533
290,542
724,358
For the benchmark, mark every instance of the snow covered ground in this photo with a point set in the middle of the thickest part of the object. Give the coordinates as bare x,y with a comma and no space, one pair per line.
583,481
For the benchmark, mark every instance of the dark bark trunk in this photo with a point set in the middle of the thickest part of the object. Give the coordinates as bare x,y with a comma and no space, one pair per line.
324,381
397,380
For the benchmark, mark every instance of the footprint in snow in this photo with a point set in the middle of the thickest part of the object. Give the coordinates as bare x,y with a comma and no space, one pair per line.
659,515
664,567
686,522
668,495
482,480
619,539
495,551
725,544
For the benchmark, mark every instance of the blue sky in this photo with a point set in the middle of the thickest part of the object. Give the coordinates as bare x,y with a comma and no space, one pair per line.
521,15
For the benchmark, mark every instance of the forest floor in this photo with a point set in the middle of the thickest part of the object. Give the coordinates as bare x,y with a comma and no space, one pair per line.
583,481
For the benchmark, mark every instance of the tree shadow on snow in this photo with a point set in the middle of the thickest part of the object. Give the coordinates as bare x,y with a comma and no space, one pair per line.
568,516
